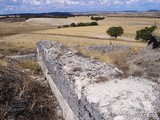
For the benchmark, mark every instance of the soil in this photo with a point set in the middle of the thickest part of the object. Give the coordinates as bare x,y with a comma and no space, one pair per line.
26,96
48,21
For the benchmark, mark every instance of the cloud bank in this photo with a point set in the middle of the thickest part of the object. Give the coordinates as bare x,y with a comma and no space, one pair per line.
19,6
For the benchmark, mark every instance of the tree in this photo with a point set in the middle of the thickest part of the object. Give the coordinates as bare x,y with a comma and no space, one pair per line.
145,34
97,18
93,24
73,25
115,31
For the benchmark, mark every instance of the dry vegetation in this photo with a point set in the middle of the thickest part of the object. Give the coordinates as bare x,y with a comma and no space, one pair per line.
23,98
24,41
130,25
31,65
20,38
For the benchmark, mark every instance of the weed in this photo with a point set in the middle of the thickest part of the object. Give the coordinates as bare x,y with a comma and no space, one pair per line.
3,63
30,64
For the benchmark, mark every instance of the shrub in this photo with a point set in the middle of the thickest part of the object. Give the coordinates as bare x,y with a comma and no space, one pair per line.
82,24
73,25
93,24
115,31
88,24
65,25
145,34
97,18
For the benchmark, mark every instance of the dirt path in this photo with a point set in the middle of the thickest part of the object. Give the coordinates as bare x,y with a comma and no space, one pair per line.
126,39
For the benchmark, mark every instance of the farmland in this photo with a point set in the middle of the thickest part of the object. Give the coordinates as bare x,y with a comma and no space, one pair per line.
23,35
20,38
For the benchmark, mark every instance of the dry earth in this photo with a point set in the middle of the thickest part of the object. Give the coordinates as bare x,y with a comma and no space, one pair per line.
48,21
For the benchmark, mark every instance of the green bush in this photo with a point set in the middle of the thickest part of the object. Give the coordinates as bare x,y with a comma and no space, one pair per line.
88,24
73,25
93,24
115,31
65,25
82,24
145,34
97,18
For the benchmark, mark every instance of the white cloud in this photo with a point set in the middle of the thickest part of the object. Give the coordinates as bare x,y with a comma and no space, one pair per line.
117,2
128,2
33,2
76,5
70,2
49,2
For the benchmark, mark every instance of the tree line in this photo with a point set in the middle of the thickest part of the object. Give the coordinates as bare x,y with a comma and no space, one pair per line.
82,24
144,34
97,18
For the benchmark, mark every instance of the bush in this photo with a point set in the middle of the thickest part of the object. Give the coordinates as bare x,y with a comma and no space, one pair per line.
97,18
145,34
82,24
65,25
93,24
73,25
115,31
88,24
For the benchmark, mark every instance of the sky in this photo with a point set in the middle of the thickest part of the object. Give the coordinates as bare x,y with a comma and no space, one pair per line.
38,6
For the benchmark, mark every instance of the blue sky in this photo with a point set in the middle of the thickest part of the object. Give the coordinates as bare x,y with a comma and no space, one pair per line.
34,6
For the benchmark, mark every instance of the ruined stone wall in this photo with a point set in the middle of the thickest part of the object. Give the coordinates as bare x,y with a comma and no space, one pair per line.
90,90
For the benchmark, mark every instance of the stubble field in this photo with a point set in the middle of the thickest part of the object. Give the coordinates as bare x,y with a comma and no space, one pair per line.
20,37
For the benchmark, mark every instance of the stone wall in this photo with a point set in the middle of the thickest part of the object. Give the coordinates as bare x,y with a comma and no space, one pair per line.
90,90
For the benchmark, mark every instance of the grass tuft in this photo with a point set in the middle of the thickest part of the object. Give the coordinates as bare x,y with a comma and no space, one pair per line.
3,63
31,65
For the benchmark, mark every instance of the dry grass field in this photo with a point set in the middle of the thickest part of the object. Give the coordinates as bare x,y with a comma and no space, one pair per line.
130,25
19,37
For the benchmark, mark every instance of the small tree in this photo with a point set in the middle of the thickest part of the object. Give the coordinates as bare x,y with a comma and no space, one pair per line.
93,24
145,34
115,31
73,25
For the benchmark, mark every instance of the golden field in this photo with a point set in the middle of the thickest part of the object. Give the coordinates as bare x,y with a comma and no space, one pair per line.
130,25
20,37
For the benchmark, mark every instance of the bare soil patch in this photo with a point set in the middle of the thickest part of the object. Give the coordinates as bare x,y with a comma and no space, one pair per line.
48,21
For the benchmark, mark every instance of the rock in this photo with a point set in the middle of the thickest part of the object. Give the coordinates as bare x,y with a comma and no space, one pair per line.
119,118
31,56
88,90
108,48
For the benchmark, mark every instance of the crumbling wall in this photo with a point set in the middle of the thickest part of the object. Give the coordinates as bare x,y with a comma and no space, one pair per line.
90,90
